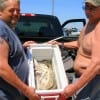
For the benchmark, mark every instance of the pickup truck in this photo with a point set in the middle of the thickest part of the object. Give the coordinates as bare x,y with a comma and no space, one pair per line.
38,27
42,28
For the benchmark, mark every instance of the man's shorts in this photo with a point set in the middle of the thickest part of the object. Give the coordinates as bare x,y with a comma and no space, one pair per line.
4,96
91,91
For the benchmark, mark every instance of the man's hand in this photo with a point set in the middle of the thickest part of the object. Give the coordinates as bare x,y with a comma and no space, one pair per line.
68,91
54,43
28,43
31,95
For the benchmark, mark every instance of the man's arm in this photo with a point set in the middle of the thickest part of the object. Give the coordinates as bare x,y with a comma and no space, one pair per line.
72,44
6,71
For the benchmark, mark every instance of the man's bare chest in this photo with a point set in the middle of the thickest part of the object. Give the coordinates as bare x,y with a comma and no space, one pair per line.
86,43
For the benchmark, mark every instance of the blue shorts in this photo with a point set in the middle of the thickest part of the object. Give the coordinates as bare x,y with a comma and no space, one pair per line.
91,91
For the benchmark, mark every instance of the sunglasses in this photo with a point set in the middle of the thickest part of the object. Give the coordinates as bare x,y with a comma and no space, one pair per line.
90,8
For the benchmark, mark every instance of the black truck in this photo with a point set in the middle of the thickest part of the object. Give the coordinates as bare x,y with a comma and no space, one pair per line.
38,27
42,28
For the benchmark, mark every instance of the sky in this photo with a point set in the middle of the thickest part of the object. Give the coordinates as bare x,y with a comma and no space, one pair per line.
63,9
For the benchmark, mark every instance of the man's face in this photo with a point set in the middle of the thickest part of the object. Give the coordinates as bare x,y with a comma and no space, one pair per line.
11,13
92,12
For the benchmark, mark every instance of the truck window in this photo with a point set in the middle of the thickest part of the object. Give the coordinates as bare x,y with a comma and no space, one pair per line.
35,26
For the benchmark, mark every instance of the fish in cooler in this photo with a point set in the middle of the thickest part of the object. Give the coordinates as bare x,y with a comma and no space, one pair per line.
44,75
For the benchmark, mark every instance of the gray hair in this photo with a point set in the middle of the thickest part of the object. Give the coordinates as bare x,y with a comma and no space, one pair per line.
3,4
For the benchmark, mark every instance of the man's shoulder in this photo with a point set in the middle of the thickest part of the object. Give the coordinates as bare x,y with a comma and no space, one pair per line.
2,24
97,27
98,24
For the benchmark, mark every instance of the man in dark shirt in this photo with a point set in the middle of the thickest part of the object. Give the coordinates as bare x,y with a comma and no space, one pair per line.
14,68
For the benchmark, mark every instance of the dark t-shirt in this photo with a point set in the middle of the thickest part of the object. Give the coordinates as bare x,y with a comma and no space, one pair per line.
17,60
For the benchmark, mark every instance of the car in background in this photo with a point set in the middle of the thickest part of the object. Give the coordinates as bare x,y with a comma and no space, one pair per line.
72,27
38,27
42,28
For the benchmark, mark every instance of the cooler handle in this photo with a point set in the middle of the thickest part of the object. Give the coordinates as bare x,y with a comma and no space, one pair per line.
48,97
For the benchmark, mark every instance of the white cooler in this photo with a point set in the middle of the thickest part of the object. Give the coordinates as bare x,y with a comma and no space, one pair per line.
49,52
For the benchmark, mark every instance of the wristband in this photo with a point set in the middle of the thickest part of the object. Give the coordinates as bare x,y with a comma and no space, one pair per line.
62,45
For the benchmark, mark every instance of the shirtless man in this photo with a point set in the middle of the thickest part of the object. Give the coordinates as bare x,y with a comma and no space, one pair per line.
87,62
